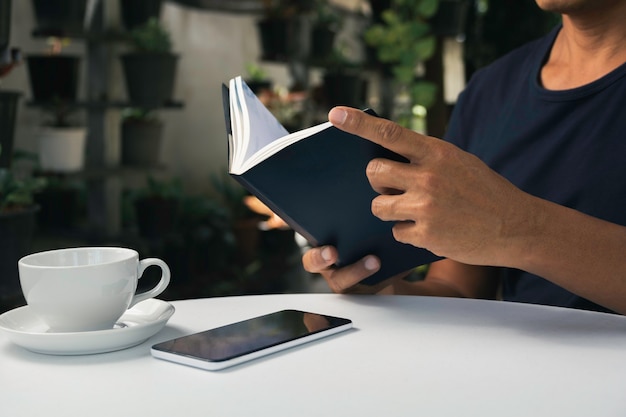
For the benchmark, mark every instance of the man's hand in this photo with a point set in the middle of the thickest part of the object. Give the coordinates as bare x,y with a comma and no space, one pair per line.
445,200
273,221
344,280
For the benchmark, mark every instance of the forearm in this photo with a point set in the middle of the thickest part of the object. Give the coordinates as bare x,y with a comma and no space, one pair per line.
426,287
447,278
580,253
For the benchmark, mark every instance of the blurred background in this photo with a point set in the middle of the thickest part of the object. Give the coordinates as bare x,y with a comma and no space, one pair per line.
112,128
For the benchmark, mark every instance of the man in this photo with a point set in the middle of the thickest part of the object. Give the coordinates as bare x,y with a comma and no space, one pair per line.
545,223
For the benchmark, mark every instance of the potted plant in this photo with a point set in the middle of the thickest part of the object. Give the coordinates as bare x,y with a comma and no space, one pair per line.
404,40
326,23
257,78
263,258
141,137
244,222
53,80
343,83
9,58
52,74
61,142
277,28
288,107
209,241
17,225
137,13
8,104
150,70
60,17
157,206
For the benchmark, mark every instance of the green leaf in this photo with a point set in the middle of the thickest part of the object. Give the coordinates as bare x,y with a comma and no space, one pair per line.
424,93
427,8
374,35
419,29
404,74
151,37
425,48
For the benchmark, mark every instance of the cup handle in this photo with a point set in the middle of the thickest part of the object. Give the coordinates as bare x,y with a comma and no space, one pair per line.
160,287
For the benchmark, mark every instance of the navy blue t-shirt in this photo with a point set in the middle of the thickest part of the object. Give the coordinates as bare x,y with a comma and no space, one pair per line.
566,146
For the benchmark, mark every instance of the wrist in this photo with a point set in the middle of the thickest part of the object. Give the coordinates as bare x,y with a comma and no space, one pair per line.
522,230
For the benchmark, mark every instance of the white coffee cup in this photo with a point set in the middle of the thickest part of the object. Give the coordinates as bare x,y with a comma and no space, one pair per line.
86,288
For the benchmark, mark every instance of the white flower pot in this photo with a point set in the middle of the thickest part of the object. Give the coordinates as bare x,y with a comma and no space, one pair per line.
62,149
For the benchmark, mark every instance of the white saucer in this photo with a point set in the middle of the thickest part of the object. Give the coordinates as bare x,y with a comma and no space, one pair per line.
139,323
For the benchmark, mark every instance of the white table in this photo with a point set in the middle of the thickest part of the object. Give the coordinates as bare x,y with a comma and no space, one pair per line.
406,356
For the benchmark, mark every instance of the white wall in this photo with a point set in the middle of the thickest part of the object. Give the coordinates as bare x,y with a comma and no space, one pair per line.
214,47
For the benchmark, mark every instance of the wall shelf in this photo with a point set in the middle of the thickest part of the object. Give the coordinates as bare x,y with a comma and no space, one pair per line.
106,104
103,181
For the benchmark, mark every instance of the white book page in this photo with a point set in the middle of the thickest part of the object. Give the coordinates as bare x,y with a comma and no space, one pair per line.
260,127
238,142
256,133
277,145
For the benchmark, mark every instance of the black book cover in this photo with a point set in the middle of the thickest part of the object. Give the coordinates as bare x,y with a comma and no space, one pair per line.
319,187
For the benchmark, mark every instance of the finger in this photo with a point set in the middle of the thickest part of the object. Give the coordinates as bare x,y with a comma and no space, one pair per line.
384,132
389,177
410,233
394,208
413,234
276,222
256,205
383,287
319,259
346,279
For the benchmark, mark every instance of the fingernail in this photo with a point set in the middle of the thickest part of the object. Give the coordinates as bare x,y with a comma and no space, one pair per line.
337,116
326,254
371,263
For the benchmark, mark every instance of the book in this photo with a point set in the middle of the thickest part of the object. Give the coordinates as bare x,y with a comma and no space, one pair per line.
315,180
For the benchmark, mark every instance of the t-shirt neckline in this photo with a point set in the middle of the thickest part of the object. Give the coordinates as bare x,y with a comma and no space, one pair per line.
570,94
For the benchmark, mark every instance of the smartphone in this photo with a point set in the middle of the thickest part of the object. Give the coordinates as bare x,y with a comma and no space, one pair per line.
239,342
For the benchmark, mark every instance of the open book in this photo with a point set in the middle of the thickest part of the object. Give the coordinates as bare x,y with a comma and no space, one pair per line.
314,179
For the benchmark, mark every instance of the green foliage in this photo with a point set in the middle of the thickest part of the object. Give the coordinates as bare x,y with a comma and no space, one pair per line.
171,188
255,72
231,195
339,61
60,111
138,114
17,193
151,37
404,40
204,219
423,92
326,15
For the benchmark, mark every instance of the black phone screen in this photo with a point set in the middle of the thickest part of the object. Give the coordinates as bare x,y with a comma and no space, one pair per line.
248,336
